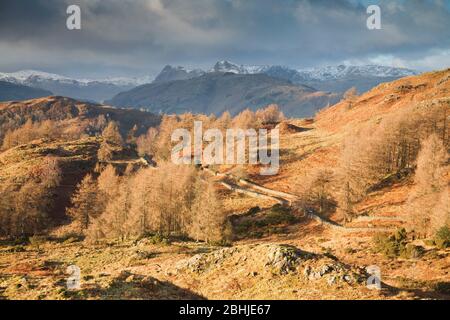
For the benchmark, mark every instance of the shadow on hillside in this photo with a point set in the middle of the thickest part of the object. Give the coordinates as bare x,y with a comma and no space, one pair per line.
258,223
287,156
419,293
129,286
291,128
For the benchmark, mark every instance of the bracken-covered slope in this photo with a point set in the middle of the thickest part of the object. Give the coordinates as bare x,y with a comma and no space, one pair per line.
432,87
318,143
16,113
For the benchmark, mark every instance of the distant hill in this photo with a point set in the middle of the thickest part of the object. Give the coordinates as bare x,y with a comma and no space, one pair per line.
217,92
11,91
81,89
73,112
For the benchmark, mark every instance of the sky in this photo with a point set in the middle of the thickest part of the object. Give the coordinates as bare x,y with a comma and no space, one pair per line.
140,37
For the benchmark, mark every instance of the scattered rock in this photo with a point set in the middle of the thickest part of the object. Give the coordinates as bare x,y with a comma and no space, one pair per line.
283,259
140,254
204,261
278,260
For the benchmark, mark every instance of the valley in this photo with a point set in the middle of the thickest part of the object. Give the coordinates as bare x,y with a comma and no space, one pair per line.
353,191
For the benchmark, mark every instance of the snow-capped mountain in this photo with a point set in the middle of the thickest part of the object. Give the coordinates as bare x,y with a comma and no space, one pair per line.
343,77
226,66
85,89
321,73
331,78
343,71
24,76
170,73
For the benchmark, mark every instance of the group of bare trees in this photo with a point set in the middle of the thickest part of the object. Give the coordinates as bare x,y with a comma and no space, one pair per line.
428,204
168,200
25,205
30,131
316,191
157,141
413,140
398,143
51,130
112,141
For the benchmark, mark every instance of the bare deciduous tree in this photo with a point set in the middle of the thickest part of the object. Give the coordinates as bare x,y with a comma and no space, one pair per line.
86,204
429,187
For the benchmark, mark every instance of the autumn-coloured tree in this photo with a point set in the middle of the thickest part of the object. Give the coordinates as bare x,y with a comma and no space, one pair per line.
131,136
168,200
270,115
429,187
112,139
350,96
146,144
86,204
207,216
224,121
163,145
384,148
30,131
440,215
316,190
245,120
111,134
105,152
108,182
25,207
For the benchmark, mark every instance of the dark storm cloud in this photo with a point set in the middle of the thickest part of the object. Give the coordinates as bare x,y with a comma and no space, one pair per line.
139,36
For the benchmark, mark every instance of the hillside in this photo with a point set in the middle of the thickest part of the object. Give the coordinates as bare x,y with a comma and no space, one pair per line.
288,236
10,92
77,114
218,92
75,159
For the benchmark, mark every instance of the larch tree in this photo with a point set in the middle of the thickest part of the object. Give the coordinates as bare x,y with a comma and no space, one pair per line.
208,218
86,204
429,185
270,115
111,134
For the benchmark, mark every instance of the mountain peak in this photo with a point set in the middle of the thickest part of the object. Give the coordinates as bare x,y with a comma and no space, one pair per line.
227,66
171,73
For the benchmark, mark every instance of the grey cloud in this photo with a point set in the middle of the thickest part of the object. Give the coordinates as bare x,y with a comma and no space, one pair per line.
139,36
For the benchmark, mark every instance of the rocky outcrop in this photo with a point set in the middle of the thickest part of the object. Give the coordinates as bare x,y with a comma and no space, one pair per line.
274,260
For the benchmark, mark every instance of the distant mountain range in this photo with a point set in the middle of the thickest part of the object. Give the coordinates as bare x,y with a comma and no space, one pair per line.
216,92
332,78
11,91
178,89
82,89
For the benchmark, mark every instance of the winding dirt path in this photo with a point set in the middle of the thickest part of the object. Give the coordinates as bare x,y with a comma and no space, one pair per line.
249,188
